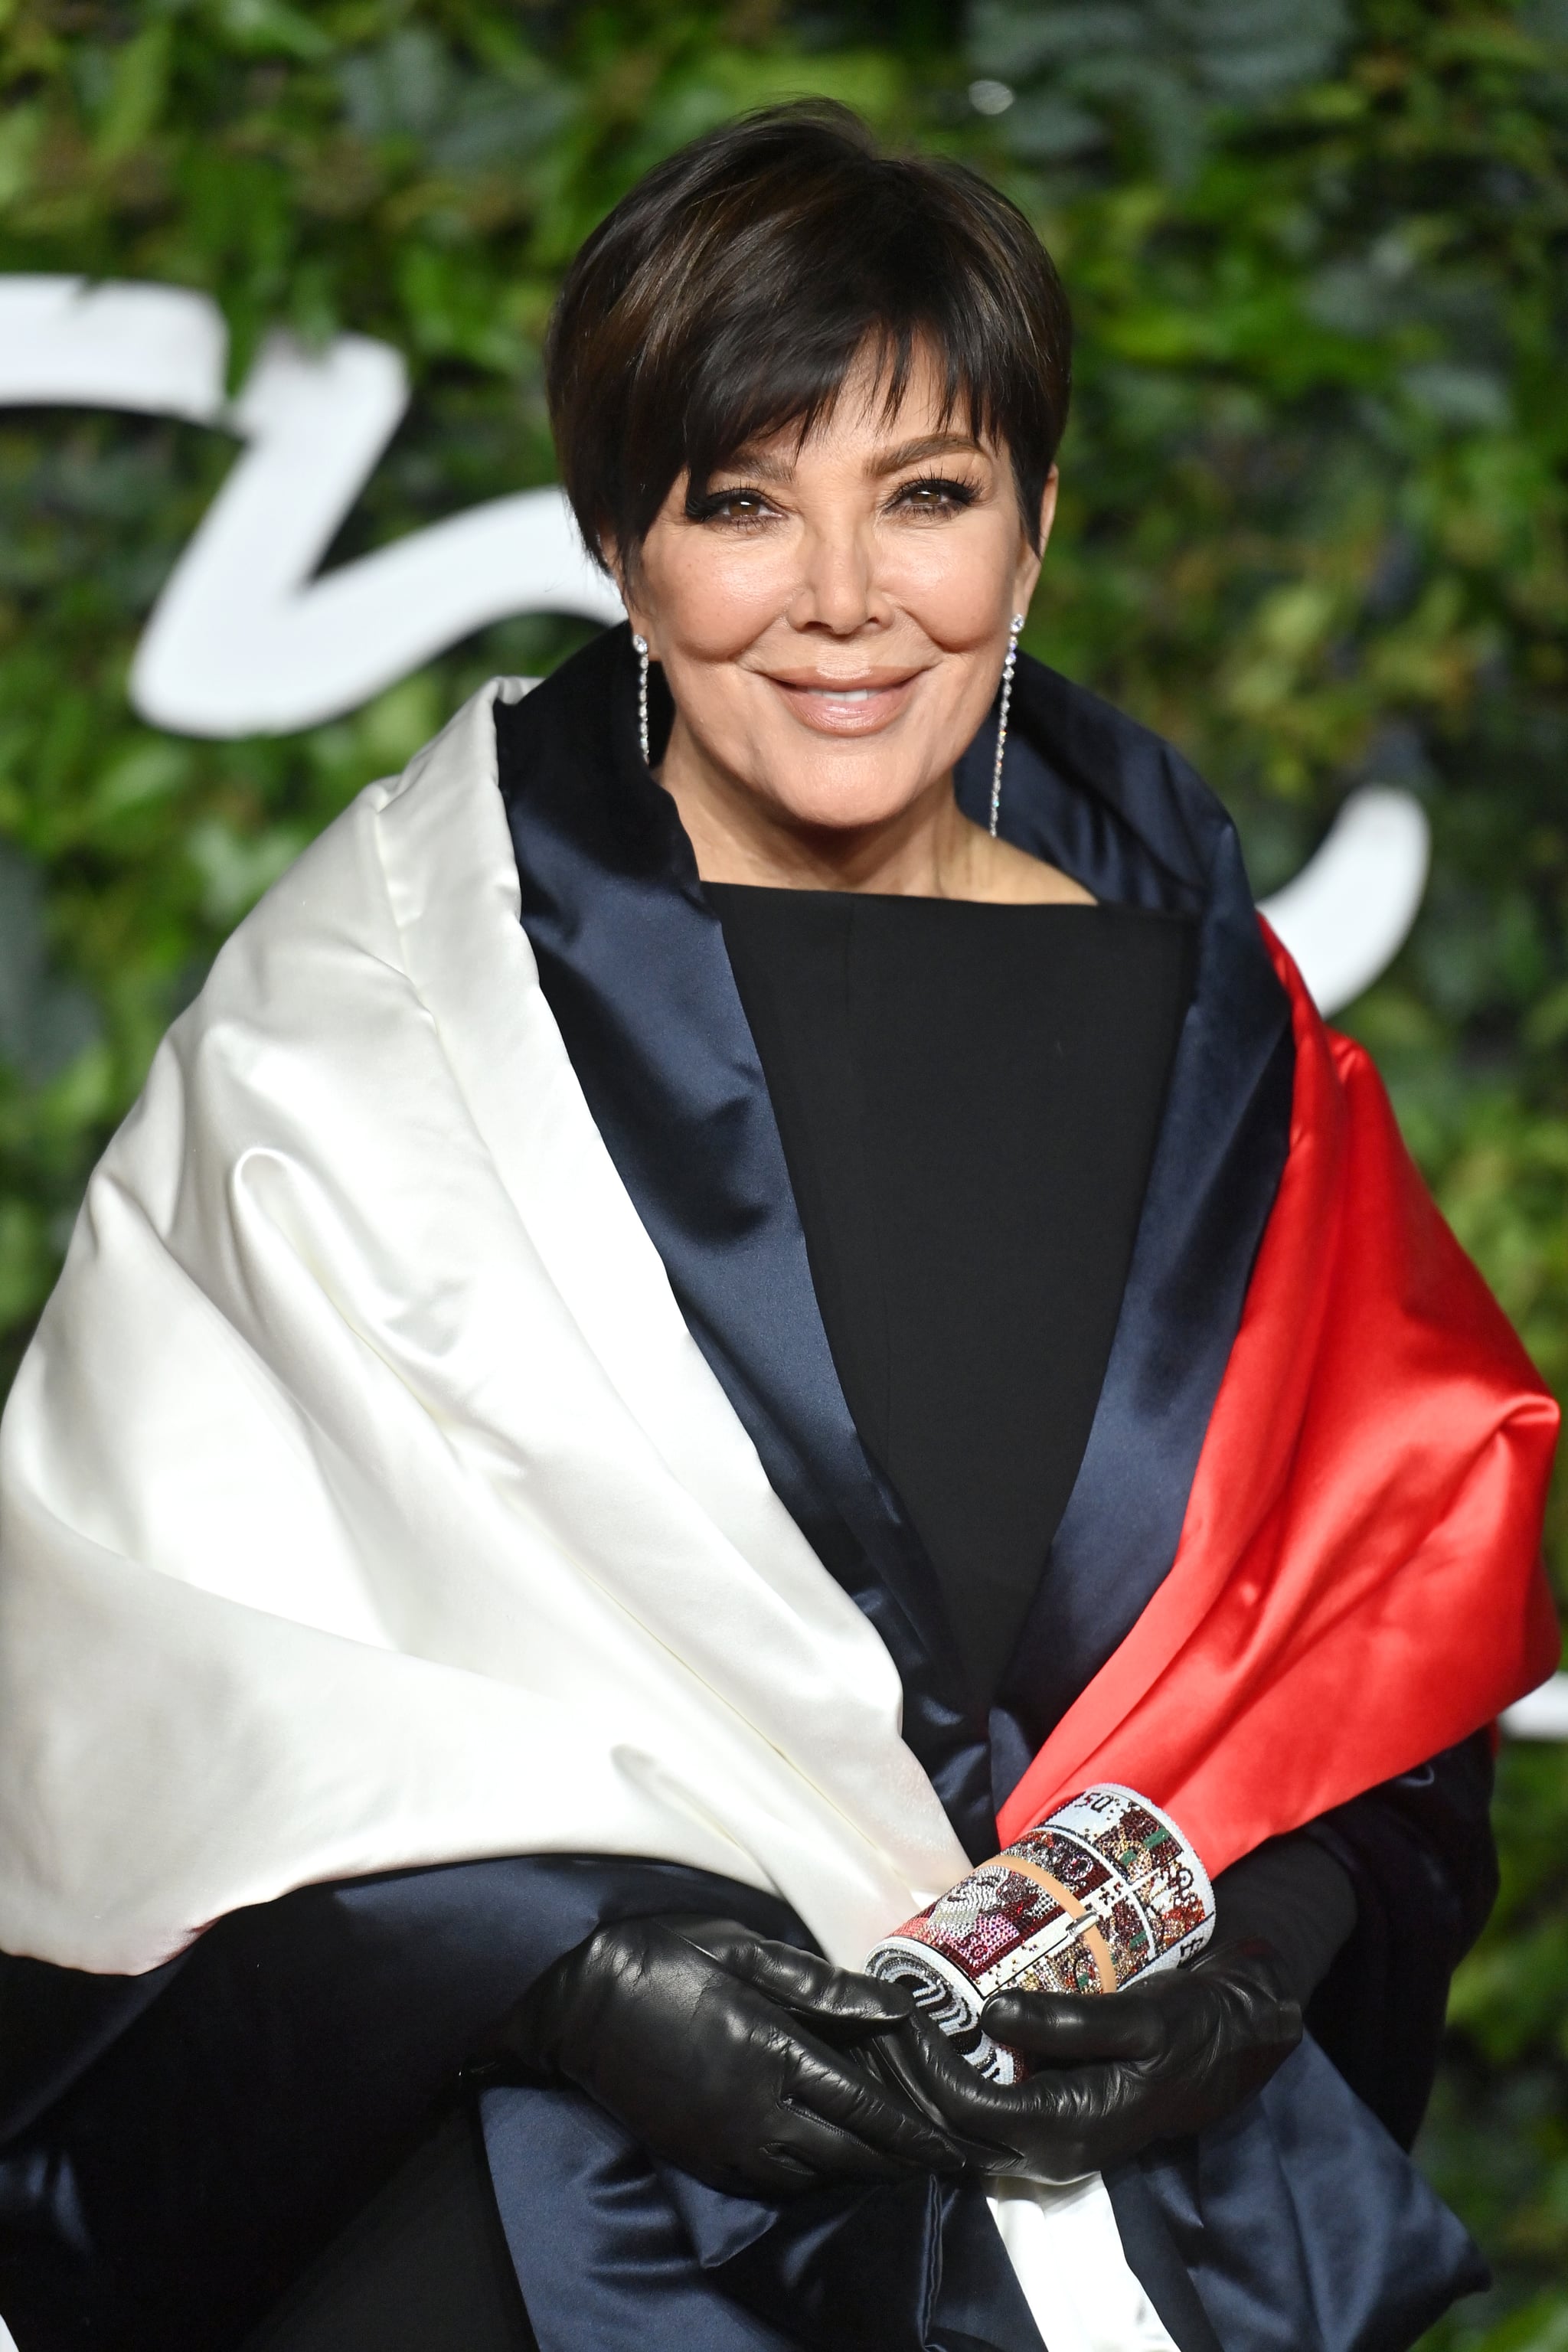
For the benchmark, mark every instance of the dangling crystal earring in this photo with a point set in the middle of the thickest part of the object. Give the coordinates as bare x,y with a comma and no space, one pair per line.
639,646
1009,667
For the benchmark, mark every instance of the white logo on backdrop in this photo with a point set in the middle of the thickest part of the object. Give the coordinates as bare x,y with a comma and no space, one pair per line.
248,638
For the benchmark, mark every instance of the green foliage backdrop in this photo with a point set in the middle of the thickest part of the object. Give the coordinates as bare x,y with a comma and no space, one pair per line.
1315,527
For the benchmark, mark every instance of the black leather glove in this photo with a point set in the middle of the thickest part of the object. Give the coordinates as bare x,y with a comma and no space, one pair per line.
728,2056
1162,2059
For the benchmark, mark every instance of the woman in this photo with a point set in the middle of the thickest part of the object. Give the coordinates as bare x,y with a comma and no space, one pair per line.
581,1469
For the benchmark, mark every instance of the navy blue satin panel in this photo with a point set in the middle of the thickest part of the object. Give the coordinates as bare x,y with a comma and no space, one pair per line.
54,2023
599,2248
1111,804
1153,2256
613,2251
1304,2226
911,2266
632,961
281,2073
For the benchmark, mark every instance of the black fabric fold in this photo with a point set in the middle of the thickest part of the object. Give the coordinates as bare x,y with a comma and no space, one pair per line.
424,2266
1294,1895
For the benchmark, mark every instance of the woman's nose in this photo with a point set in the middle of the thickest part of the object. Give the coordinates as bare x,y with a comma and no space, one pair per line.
836,589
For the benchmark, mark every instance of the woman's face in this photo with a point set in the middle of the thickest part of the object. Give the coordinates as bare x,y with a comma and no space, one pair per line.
831,622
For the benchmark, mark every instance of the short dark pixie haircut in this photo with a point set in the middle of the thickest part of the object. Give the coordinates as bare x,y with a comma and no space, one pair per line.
731,293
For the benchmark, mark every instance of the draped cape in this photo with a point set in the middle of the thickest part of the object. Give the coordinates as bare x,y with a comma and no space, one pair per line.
432,1450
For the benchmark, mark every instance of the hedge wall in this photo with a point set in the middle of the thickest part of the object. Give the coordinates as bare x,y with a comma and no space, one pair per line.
1313,528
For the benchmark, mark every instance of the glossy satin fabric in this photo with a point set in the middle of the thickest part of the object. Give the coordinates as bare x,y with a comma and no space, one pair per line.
290,2059
1365,1518
664,2261
1302,2229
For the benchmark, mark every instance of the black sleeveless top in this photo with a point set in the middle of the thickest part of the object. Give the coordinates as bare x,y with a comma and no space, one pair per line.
968,1097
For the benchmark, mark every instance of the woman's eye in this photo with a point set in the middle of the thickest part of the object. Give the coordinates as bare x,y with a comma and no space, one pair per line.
934,498
732,506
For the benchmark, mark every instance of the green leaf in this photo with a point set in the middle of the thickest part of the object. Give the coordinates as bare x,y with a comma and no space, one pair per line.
137,92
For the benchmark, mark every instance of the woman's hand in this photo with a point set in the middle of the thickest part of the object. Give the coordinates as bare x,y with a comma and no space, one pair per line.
1159,2060
730,2056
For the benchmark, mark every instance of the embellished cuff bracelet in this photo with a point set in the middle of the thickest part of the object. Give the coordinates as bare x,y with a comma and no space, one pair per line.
1105,1890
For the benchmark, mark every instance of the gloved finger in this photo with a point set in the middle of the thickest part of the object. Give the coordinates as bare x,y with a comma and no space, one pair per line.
1065,2029
980,2147
777,2169
925,2067
1053,2109
1057,2125
840,2100
800,1981
818,2154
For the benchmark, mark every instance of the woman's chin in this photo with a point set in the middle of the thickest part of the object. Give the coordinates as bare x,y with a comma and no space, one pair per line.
850,787
856,808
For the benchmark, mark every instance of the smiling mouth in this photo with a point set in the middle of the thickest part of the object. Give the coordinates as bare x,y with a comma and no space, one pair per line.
846,709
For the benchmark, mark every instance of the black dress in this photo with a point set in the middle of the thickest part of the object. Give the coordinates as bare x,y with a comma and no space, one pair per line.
968,1098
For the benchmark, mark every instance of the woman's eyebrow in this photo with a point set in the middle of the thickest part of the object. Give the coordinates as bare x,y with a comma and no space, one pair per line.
763,465
932,445
757,466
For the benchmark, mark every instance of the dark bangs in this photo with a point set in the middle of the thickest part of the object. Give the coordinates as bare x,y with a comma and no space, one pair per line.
733,290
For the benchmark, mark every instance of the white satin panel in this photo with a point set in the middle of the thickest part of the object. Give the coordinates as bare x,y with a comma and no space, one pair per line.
364,1501
1066,2249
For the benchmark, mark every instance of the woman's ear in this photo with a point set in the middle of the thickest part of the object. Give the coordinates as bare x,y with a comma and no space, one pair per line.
625,586
1048,506
1030,559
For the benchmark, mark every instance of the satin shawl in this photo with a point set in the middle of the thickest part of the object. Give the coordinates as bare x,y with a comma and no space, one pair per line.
363,1499
432,1449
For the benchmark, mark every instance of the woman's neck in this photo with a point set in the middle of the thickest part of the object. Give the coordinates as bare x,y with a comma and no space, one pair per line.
929,849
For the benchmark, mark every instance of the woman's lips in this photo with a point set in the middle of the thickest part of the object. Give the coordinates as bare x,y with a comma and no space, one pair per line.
845,710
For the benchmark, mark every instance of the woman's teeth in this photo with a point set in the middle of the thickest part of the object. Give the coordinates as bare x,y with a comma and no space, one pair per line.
842,693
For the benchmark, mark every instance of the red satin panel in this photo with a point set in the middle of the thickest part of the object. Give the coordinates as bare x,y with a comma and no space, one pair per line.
1358,1582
